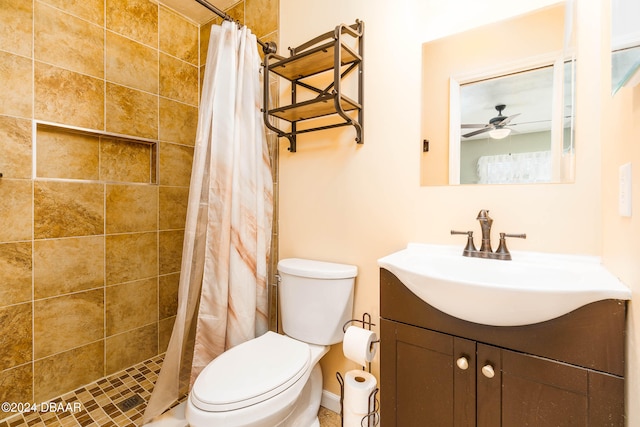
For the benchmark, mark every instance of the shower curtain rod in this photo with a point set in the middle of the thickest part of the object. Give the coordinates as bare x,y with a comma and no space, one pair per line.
268,47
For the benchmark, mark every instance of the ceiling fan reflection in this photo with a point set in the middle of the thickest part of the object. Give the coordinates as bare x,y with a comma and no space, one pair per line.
497,126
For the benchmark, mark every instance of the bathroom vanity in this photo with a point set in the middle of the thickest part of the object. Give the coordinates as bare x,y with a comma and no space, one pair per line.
440,370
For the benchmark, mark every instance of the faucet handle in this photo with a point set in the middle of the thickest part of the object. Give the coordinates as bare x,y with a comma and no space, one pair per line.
470,248
502,252
518,236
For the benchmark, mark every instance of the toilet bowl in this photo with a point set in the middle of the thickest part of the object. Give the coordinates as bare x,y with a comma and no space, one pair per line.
275,380
234,390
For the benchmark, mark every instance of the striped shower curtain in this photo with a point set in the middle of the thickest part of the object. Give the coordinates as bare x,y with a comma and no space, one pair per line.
223,281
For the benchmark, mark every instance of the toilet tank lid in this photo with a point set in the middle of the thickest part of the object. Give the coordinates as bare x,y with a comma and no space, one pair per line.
316,269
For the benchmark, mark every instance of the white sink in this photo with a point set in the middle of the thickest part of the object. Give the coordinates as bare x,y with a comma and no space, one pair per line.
532,288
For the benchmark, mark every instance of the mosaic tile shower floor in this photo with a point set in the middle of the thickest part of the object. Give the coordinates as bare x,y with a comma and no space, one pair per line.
97,404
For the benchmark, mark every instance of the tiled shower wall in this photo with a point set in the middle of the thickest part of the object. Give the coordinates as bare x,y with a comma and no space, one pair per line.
90,243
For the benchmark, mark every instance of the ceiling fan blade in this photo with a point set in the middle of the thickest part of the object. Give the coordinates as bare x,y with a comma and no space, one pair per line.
507,120
473,126
477,132
530,123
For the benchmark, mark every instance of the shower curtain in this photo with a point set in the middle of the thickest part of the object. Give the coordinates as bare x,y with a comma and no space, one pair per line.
223,280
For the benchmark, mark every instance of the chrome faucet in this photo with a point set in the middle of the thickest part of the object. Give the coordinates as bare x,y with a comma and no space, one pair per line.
485,250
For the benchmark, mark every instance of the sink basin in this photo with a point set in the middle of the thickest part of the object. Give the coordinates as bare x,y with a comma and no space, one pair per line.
532,288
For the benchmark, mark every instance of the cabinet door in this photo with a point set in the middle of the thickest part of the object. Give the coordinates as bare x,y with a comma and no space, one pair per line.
489,390
421,382
541,392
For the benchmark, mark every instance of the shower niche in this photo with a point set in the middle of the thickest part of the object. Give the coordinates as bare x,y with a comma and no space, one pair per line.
326,79
63,152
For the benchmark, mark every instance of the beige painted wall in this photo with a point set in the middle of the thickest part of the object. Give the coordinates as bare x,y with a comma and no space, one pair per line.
355,204
620,142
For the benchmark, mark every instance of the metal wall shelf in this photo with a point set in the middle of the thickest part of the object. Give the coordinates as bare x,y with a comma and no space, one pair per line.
328,52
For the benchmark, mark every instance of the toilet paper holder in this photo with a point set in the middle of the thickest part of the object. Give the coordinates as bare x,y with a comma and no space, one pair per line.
373,417
366,323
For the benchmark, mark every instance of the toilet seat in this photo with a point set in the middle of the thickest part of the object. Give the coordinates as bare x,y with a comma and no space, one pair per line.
251,372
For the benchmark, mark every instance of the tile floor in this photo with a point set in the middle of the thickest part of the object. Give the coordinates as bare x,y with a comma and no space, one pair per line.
100,403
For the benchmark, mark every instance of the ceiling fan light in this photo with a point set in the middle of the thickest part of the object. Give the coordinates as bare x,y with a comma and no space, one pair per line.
499,133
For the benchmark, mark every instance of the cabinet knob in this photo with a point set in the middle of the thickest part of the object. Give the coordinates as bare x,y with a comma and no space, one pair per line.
487,371
462,363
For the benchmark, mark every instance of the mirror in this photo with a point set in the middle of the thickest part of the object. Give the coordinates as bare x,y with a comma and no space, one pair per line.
498,103
625,44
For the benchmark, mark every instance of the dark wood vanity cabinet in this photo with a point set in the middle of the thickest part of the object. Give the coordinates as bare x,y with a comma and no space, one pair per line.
437,370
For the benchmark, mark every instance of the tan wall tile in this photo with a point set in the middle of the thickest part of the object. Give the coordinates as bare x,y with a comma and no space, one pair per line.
131,257
16,24
81,324
173,207
165,328
79,45
201,77
62,266
15,335
175,164
131,112
170,254
237,12
91,10
131,347
137,19
261,16
131,305
131,208
16,385
178,37
15,74
15,146
205,35
66,209
60,373
178,122
168,295
69,155
67,97
178,80
68,42
15,273
125,161
15,210
130,63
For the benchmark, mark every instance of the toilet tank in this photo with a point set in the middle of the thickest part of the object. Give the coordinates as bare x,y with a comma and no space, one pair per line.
316,299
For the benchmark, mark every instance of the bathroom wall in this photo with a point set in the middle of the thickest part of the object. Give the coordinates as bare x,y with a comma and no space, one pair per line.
621,234
620,138
356,203
90,243
92,226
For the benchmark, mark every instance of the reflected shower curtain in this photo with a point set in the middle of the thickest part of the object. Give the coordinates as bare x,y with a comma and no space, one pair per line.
223,281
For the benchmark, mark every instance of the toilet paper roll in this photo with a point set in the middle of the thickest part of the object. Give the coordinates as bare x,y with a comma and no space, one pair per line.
358,386
358,345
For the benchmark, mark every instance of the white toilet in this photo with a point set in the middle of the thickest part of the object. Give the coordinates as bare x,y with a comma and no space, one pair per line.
275,380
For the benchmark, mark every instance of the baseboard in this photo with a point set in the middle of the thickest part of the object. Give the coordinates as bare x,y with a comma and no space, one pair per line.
331,401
